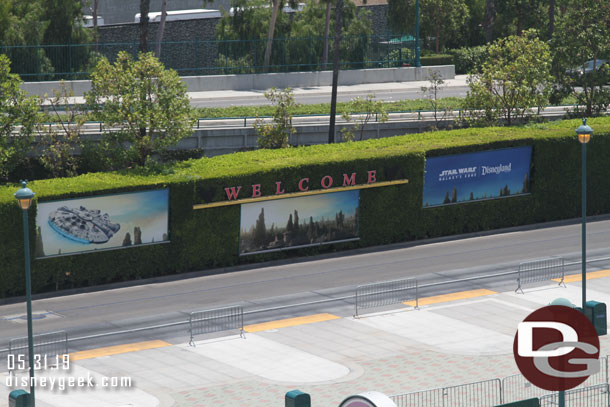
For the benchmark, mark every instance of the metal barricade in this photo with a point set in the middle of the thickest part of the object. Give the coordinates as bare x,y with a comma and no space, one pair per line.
215,320
600,377
385,293
48,348
486,393
517,387
540,270
592,396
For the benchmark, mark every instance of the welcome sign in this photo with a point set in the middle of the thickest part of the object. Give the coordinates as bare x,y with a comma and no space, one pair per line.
476,176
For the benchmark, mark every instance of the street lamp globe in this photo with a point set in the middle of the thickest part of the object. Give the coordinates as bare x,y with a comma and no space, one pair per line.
584,132
24,196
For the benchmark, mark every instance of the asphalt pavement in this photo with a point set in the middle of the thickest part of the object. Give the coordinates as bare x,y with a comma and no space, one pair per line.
451,341
281,288
391,91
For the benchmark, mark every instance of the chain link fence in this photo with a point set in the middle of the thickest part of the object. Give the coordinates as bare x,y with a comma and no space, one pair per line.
215,57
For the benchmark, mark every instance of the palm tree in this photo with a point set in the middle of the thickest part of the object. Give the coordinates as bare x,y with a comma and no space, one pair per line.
161,28
276,5
144,9
326,31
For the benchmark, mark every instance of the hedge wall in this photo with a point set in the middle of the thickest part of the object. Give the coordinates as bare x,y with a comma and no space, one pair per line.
208,238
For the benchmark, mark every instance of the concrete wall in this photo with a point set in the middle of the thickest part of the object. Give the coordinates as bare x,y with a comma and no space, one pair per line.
230,140
278,80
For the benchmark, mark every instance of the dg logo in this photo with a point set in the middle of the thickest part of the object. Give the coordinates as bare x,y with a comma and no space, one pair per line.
556,348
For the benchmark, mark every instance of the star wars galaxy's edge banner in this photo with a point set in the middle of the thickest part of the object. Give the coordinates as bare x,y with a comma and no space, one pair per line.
476,176
298,222
101,222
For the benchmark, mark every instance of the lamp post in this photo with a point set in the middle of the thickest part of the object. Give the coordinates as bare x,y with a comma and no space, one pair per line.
584,133
24,197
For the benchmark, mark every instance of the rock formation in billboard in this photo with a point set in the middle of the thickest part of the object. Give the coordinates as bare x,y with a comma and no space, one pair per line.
83,225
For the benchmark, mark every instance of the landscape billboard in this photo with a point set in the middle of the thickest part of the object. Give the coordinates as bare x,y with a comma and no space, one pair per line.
101,222
298,222
475,176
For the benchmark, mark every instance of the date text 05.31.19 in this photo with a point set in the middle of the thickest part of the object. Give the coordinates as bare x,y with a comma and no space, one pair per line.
41,362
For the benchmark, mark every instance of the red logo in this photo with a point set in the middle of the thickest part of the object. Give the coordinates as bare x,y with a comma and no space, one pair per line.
556,348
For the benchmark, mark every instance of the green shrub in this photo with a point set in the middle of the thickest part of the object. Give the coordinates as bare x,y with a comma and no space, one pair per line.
469,59
208,238
436,59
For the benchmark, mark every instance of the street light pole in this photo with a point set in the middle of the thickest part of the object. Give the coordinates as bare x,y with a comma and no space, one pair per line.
24,197
584,133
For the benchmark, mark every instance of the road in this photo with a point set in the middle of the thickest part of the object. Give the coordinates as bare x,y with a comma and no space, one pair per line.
321,94
324,97
304,280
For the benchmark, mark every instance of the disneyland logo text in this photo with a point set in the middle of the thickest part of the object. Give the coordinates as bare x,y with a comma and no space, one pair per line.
498,169
303,185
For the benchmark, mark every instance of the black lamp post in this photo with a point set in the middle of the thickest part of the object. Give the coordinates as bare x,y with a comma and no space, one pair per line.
24,197
584,133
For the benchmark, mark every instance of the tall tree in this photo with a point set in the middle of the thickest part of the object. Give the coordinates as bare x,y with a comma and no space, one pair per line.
551,18
446,16
515,16
441,19
94,15
401,15
514,78
18,114
144,9
326,32
161,28
64,17
276,7
574,45
144,107
488,22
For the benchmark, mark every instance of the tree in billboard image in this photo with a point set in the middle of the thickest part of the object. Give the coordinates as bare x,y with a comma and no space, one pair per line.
297,222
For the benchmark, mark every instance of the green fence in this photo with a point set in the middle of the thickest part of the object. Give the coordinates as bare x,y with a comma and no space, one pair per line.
216,57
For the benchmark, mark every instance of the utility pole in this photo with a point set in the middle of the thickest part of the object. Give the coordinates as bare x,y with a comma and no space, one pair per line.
336,60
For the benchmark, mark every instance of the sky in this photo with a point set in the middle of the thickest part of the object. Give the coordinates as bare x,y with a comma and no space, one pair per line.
318,206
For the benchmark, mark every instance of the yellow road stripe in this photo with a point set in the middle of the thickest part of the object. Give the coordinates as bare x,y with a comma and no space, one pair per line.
591,275
117,350
283,323
461,295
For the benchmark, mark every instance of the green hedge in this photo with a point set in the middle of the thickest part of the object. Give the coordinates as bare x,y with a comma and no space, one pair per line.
208,238
468,59
436,59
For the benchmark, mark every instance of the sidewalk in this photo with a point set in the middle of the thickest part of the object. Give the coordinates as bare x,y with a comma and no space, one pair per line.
451,340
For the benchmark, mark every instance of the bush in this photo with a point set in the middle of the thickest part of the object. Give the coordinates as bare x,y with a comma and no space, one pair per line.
436,59
277,134
469,59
